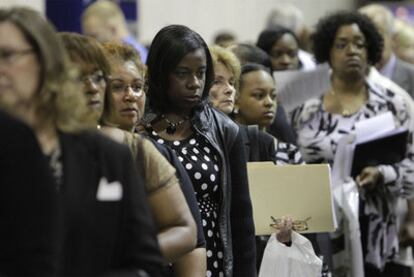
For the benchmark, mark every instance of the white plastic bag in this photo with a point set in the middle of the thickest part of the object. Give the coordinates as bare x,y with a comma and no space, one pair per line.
349,261
298,260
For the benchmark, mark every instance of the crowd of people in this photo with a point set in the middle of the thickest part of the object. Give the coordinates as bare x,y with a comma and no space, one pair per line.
121,161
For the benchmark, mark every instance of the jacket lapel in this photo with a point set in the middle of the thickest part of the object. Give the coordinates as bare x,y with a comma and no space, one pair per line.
400,76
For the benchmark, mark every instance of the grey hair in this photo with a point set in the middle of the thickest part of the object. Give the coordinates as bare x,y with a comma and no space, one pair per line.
286,15
373,10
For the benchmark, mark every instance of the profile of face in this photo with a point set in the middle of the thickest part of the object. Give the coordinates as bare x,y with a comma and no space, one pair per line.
284,53
93,86
257,99
348,55
222,92
20,69
127,95
186,82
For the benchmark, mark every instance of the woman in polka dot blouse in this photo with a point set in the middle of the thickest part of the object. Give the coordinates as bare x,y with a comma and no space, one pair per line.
207,143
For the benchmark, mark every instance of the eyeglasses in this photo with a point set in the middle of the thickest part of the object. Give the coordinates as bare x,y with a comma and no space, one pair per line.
97,78
297,225
121,87
341,45
8,56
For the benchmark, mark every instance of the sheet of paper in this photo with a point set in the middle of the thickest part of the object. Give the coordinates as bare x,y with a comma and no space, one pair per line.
374,126
365,130
301,191
295,87
342,164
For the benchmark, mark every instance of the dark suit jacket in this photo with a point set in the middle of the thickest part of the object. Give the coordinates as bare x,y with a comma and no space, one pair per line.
281,128
27,204
403,75
104,237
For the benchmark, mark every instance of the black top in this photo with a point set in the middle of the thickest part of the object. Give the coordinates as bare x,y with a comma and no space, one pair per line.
107,226
281,128
201,162
27,204
186,186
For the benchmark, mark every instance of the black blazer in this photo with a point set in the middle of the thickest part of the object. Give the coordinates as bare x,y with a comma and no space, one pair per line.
115,237
27,204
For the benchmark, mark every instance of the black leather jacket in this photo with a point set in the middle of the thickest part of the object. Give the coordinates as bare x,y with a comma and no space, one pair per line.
236,219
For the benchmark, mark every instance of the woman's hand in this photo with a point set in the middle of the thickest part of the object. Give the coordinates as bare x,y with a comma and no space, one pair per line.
407,228
369,178
407,234
284,230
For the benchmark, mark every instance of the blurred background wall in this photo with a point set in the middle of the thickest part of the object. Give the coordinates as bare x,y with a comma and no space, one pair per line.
245,18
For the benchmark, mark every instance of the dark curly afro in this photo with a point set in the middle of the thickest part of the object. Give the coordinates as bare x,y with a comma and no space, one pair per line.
326,29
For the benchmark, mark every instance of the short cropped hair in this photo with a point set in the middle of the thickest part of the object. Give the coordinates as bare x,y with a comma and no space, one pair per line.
248,53
104,10
252,67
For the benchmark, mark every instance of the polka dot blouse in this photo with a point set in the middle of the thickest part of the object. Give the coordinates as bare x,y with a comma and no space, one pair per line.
201,162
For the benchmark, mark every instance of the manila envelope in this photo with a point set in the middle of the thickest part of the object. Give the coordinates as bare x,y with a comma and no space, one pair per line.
301,191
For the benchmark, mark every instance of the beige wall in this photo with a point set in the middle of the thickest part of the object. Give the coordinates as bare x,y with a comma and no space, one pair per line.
246,18
35,4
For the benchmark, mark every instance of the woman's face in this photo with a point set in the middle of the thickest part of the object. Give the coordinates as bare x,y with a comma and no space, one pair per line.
127,95
284,53
94,85
222,91
19,69
257,99
186,82
348,56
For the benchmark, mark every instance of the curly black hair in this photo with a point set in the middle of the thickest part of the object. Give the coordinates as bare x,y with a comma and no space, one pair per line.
327,27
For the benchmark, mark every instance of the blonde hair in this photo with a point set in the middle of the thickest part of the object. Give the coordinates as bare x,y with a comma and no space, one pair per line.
380,15
59,98
228,59
106,11
403,40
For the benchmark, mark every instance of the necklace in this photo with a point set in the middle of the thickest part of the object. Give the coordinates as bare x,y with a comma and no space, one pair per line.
345,111
172,126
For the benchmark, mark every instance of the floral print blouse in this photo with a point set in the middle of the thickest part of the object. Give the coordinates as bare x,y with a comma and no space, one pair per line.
318,133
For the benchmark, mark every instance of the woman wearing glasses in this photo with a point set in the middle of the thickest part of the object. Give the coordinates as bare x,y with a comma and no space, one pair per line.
125,108
350,43
124,104
105,226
